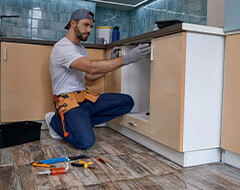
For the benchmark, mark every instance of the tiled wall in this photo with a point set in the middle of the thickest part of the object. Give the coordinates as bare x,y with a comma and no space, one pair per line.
142,19
190,11
45,19
114,17
40,19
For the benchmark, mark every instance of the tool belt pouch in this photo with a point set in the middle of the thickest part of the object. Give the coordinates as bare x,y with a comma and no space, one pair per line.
68,103
70,100
90,96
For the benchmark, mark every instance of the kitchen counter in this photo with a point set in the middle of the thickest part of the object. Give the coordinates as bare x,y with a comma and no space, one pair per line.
46,42
142,38
146,37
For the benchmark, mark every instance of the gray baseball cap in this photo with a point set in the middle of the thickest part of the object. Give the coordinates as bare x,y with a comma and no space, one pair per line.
80,14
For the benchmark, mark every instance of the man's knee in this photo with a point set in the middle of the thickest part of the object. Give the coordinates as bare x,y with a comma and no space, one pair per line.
83,142
128,102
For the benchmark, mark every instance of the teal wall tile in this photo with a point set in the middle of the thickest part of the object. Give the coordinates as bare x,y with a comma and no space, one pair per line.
114,17
41,19
46,19
190,11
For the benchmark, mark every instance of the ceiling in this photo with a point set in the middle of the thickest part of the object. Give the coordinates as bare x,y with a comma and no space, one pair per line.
120,4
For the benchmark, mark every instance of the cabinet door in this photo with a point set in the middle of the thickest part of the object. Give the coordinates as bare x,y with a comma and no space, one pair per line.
98,85
25,82
231,111
167,90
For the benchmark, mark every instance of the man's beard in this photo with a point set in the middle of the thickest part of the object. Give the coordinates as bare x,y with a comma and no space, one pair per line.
80,35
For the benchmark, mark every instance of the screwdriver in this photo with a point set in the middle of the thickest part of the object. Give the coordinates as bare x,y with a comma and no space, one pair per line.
55,171
102,161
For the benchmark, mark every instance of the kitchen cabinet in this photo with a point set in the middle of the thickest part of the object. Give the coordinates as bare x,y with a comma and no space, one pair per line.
26,83
134,80
98,85
231,119
184,96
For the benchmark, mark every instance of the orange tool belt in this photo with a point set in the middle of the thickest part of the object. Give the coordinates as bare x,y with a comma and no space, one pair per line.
65,102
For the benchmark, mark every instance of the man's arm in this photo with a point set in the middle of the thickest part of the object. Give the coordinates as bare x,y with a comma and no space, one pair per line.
92,78
97,67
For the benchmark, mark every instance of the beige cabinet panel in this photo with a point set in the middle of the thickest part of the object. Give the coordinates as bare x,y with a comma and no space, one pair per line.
98,85
231,111
113,79
25,82
26,91
167,90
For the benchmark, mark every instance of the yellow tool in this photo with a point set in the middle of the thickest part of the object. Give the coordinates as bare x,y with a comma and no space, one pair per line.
82,163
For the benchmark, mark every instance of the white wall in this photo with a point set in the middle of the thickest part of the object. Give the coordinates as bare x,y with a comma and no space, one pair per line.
215,13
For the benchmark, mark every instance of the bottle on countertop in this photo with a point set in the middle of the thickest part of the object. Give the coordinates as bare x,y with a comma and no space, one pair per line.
115,34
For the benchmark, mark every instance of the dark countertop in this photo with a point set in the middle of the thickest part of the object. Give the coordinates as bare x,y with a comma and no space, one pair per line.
142,38
46,42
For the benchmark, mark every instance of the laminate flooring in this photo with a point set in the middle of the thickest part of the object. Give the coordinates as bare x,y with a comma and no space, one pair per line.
134,167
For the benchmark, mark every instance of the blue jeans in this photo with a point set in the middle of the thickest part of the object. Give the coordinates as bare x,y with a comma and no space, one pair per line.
79,121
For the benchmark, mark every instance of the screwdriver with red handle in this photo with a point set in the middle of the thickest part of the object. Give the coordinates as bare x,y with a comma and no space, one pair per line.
102,161
55,171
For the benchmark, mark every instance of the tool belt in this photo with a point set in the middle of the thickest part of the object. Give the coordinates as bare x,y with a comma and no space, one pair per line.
70,100
65,102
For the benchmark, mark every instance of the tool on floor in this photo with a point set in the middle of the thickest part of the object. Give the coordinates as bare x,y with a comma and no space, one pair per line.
41,165
55,171
63,159
102,161
84,164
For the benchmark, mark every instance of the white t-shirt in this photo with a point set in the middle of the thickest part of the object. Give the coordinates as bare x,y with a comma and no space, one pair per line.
64,78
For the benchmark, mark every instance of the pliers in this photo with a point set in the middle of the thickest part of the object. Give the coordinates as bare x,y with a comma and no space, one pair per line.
83,164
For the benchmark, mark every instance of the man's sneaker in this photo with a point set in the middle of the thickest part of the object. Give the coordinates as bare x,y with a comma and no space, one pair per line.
48,118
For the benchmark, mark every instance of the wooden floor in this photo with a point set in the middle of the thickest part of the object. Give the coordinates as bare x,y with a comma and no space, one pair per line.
135,167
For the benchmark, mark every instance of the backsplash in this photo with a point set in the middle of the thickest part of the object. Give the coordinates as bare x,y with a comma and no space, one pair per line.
114,17
41,19
46,19
190,11
142,19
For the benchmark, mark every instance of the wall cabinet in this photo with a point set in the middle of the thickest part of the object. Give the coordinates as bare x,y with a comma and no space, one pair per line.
26,83
184,96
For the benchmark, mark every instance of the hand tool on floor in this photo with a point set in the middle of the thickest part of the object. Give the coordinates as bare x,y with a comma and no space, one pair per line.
102,161
84,164
55,171
63,159
41,165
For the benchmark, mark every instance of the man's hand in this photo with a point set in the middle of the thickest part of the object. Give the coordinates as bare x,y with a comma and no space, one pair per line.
137,53
115,52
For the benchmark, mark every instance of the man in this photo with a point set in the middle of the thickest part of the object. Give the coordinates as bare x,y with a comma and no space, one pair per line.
78,110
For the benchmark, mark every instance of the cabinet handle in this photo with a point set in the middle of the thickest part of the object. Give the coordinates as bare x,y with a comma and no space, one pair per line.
5,53
151,57
132,124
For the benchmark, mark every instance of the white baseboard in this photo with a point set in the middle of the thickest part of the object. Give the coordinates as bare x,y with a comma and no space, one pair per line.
184,159
231,158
